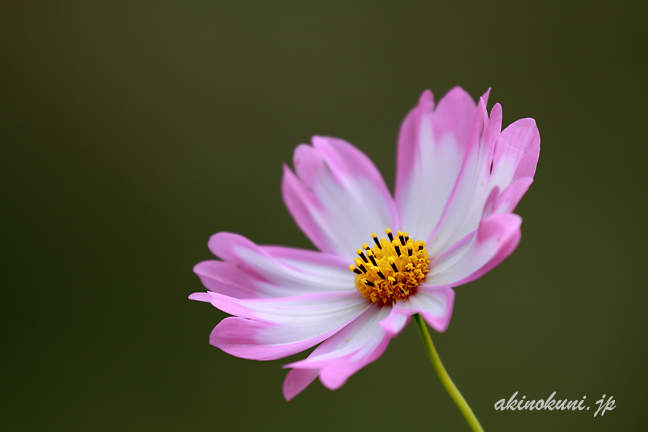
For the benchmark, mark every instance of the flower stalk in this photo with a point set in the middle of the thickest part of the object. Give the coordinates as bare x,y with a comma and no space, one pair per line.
444,377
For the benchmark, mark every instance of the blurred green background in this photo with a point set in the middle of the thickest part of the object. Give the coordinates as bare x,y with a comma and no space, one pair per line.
132,131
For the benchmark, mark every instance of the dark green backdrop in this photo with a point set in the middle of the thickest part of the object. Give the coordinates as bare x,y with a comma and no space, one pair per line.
131,132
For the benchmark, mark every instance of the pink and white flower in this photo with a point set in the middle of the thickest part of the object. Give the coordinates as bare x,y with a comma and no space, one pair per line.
458,179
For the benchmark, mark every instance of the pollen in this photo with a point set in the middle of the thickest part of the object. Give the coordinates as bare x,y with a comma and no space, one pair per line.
392,269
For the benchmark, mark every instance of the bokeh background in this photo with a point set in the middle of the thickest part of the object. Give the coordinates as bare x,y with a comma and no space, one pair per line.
132,131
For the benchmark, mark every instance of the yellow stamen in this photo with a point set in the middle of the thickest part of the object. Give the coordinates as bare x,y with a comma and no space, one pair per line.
391,270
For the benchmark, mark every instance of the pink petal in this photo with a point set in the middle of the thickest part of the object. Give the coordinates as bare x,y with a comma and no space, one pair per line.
338,197
443,183
509,199
227,279
313,263
395,322
497,237
434,303
492,130
461,201
432,147
516,153
513,155
268,329
251,271
297,380
355,346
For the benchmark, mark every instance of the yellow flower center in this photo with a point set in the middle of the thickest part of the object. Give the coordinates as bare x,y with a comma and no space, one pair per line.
391,270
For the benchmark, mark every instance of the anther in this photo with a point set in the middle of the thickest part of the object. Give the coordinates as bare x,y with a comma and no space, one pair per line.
380,274
357,271
406,236
409,251
362,255
365,246
373,260
397,250
375,239
389,233
362,268
369,283
402,239
393,265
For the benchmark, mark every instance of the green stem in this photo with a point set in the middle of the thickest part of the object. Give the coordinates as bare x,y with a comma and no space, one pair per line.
445,378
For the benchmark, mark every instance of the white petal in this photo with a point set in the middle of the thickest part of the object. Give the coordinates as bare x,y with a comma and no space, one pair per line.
266,329
251,271
338,197
355,346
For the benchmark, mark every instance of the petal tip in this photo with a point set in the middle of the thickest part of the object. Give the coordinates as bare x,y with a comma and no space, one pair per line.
296,381
200,296
426,100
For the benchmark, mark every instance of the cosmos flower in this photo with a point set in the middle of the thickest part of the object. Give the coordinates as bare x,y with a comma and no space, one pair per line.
381,259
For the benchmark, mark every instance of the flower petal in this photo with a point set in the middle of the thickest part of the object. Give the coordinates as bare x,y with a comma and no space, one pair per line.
497,237
314,263
268,329
395,322
355,346
251,271
297,380
469,220
434,303
462,199
227,279
509,199
516,153
507,161
451,159
432,146
338,197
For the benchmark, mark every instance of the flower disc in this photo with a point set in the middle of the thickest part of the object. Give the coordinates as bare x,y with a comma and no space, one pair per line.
392,269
